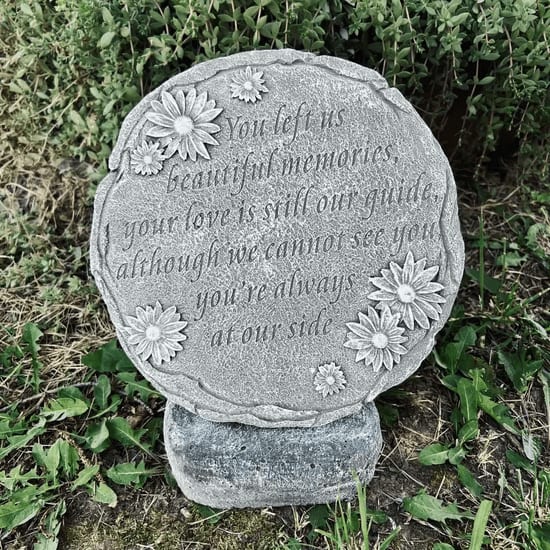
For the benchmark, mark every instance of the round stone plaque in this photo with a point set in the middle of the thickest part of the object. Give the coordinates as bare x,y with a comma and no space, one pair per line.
277,240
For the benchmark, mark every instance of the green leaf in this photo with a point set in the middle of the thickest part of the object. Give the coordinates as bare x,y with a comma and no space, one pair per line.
425,507
130,474
49,540
106,39
468,399
318,516
97,437
456,455
469,431
107,16
436,453
105,495
519,369
84,476
452,353
68,458
13,513
211,515
46,543
519,461
468,480
486,80
120,430
102,391
538,536
480,523
15,477
442,546
510,259
133,385
109,358
18,441
49,460
64,407
531,446
31,335
490,283
499,412
25,9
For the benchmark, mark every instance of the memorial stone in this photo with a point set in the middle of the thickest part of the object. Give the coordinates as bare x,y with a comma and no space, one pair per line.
277,242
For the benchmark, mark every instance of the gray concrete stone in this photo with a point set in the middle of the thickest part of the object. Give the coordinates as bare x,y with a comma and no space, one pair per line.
277,240
226,465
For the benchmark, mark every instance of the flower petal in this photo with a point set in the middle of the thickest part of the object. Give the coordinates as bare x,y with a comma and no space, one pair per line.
366,355
198,106
356,343
423,278
145,349
191,147
419,316
180,100
428,309
384,284
387,359
205,137
160,120
200,147
360,330
397,348
408,268
160,132
397,273
136,324
408,318
208,116
381,295
429,288
173,345
190,102
182,149
171,148
136,338
170,105
157,358
377,363
166,316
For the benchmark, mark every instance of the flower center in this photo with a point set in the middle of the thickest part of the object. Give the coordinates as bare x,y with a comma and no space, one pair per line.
406,294
152,333
330,380
183,125
248,85
147,159
379,340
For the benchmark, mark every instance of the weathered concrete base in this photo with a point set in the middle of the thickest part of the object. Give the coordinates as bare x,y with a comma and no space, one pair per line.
227,465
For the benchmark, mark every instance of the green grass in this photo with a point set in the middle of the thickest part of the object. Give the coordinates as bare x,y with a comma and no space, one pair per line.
465,463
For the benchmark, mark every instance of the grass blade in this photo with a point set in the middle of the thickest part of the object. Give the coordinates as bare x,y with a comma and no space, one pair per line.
480,522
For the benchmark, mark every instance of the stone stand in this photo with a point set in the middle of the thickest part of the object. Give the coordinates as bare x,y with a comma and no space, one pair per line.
229,465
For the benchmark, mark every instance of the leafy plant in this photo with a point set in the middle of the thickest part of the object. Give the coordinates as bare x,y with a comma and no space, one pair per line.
38,486
484,65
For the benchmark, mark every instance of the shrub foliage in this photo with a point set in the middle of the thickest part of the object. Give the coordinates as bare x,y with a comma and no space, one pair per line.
477,68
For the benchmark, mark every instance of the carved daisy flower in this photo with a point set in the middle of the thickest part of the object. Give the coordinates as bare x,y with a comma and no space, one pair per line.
329,379
156,333
184,123
147,158
377,338
409,291
247,85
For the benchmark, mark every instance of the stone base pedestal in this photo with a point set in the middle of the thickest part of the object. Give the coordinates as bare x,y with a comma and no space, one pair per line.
227,465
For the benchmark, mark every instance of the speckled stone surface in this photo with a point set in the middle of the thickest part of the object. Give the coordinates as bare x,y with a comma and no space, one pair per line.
277,240
226,465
